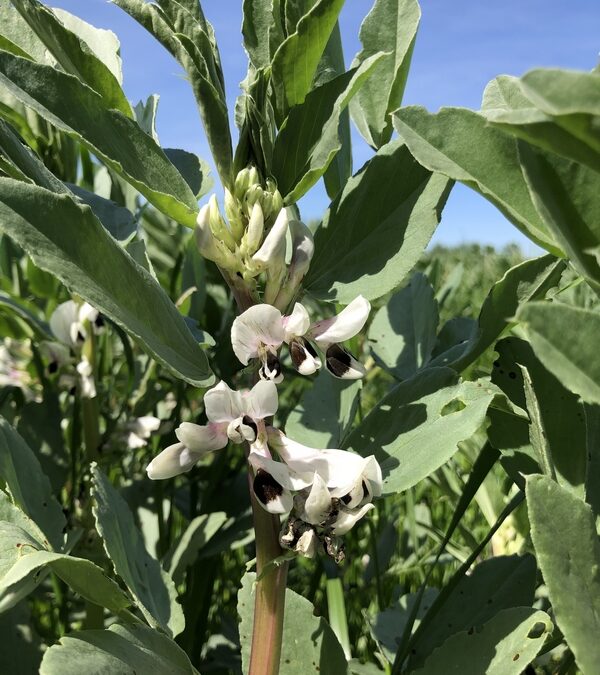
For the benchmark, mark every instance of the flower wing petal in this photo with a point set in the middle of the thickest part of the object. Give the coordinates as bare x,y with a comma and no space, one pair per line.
345,325
223,404
202,439
261,401
174,460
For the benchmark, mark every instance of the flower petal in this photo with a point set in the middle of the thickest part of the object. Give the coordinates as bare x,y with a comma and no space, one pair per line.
258,325
172,461
297,323
280,472
345,325
270,494
261,401
340,363
223,404
318,502
202,439
272,251
145,425
62,319
304,357
347,519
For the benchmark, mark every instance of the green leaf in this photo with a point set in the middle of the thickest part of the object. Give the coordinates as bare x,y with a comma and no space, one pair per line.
564,338
529,280
21,651
295,61
567,198
375,231
391,26
308,645
309,138
505,645
80,112
18,37
23,557
331,65
458,143
150,585
120,650
258,17
30,167
197,534
103,43
557,110
416,428
184,32
325,413
28,486
73,54
402,334
118,220
190,166
568,552
561,414
592,477
493,586
65,238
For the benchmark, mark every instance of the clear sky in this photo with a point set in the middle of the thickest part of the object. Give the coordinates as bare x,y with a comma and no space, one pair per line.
461,45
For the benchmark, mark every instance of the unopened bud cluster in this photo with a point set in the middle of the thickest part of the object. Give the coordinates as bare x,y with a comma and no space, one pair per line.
251,240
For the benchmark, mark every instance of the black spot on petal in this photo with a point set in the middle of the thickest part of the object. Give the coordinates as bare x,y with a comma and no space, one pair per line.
339,360
266,488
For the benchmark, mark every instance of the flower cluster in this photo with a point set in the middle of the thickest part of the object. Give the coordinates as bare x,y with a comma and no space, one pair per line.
323,493
71,324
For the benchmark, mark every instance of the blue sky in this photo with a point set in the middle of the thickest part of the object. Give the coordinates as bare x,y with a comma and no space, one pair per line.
462,44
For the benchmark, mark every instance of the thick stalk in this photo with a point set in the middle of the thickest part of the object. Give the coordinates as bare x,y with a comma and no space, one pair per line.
269,601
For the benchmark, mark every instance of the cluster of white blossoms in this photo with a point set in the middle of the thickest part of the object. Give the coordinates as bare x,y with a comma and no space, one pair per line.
322,492
70,322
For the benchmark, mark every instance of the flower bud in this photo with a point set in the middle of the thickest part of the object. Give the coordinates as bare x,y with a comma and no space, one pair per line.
218,226
234,215
208,245
272,252
241,183
254,232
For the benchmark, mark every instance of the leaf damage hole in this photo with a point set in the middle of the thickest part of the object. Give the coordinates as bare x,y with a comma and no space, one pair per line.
456,405
537,630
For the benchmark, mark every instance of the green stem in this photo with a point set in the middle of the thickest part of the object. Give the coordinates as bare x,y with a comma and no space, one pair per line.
269,603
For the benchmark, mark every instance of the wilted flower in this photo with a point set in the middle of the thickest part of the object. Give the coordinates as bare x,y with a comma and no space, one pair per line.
261,330
232,415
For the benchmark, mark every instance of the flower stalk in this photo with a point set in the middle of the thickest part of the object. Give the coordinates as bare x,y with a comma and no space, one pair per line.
269,602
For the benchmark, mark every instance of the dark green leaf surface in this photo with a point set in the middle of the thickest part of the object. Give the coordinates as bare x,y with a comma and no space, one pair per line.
417,427
458,143
568,553
391,26
295,62
65,239
120,650
80,112
377,228
150,585
505,645
403,332
565,339
28,486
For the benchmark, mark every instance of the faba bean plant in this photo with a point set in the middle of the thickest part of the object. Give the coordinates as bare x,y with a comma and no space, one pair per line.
233,441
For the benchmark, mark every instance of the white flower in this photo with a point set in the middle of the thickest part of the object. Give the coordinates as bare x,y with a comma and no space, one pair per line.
232,415
86,377
138,431
69,322
260,331
349,477
330,332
